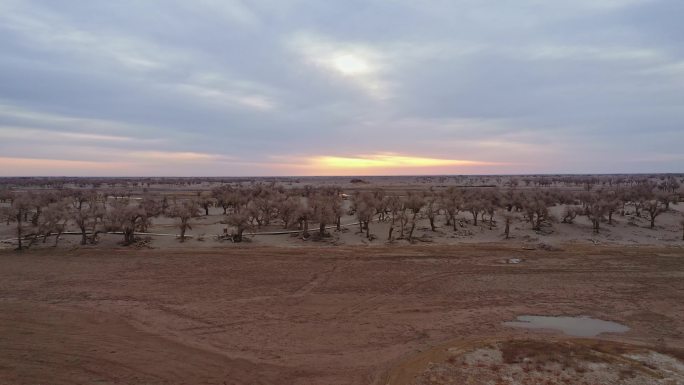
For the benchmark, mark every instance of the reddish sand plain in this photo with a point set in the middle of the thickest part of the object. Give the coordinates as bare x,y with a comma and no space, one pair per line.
309,315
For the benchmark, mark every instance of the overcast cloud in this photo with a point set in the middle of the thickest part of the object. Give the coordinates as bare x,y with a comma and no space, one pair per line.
276,87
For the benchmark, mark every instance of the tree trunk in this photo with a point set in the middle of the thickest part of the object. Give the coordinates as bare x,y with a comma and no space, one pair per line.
93,233
432,223
59,234
474,218
391,229
34,219
652,221
413,227
32,241
367,230
536,223
131,237
507,229
238,237
19,231
182,234
321,229
83,234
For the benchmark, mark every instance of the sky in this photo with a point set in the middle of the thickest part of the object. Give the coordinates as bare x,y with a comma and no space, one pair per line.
310,87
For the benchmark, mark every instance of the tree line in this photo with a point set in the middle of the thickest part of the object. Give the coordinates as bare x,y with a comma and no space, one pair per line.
41,214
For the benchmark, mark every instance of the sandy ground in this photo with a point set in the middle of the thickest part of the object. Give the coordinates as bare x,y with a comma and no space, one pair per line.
309,315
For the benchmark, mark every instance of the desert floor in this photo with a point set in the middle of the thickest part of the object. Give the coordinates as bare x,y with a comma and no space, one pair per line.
310,315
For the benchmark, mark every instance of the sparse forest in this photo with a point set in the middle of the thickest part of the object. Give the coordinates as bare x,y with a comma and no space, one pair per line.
41,209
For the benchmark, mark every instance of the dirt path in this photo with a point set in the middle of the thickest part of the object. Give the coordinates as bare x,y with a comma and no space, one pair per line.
328,315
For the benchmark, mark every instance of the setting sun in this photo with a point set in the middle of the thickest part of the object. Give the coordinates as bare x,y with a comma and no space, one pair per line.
388,160
386,163
349,64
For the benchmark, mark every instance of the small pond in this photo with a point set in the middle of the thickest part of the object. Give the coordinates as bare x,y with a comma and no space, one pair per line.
573,326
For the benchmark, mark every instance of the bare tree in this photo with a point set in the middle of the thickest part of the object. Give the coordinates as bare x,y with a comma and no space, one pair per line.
639,195
304,214
452,201
86,211
509,218
611,205
536,209
490,209
666,199
206,201
432,209
325,207
570,213
39,200
52,221
670,184
653,208
6,194
394,206
256,213
609,201
379,200
131,218
595,212
164,204
55,219
17,212
262,205
221,194
184,211
404,217
286,207
321,212
338,210
241,222
474,206
363,206
151,207
414,203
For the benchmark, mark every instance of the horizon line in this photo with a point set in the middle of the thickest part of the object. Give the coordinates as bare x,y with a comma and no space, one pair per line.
341,176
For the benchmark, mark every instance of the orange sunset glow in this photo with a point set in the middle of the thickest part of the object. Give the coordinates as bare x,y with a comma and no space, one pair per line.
389,164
